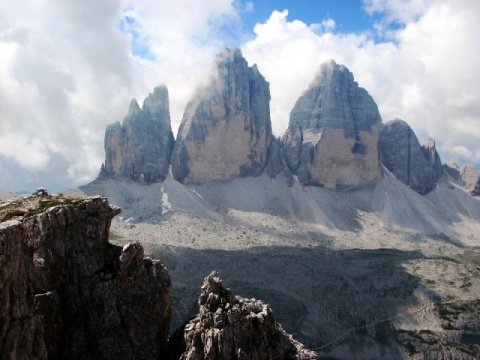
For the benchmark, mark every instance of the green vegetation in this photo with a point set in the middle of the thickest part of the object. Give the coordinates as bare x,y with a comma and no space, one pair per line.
30,206
50,202
11,214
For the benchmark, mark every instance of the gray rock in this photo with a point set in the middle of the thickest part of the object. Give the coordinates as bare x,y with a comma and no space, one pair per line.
230,327
67,293
403,156
226,131
467,176
141,147
333,132
275,160
430,152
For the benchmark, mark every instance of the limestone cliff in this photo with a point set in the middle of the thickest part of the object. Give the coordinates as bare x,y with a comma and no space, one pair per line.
230,327
430,152
140,148
67,293
226,131
333,131
466,176
402,155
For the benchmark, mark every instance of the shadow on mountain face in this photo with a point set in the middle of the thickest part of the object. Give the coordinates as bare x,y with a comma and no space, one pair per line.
316,293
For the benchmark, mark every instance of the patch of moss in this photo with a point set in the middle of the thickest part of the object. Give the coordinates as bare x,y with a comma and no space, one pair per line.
45,204
11,214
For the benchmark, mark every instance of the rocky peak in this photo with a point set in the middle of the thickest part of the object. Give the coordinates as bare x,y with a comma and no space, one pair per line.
226,131
403,156
67,293
231,327
140,148
430,152
333,132
467,176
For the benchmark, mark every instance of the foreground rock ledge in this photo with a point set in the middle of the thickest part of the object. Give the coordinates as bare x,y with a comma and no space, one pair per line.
66,292
231,327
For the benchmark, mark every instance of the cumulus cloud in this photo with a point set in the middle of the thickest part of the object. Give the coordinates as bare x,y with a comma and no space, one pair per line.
67,69
425,73
70,68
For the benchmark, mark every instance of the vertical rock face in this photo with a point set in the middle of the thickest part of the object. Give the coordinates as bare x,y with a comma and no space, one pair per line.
141,147
430,152
67,293
230,327
402,155
466,176
333,132
226,130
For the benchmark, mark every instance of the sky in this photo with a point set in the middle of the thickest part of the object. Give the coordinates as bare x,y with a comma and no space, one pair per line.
70,68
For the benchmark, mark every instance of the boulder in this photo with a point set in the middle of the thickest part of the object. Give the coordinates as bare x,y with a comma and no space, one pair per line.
226,131
333,132
140,148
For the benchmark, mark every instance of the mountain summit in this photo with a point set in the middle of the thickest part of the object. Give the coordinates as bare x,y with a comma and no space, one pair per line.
140,148
226,130
333,132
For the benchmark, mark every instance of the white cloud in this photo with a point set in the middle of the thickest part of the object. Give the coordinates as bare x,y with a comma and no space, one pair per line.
66,71
427,74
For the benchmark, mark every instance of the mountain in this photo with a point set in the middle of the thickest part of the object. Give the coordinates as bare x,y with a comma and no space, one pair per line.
226,130
333,132
416,166
140,148
364,244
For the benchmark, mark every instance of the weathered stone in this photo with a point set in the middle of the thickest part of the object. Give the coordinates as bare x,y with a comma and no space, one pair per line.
403,156
226,129
67,293
467,176
230,327
141,147
333,132
430,152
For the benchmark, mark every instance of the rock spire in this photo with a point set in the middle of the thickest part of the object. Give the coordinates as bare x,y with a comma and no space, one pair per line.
333,131
140,148
416,166
226,131
231,327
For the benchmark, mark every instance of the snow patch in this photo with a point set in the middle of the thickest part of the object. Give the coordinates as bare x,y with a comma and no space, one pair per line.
196,193
166,205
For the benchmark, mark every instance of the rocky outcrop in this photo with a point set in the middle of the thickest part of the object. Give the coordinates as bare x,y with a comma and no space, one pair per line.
333,132
403,156
230,327
140,148
430,152
67,293
226,131
466,176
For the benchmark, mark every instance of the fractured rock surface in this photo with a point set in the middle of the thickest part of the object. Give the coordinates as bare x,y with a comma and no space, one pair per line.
226,129
140,148
333,132
403,156
67,293
230,327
